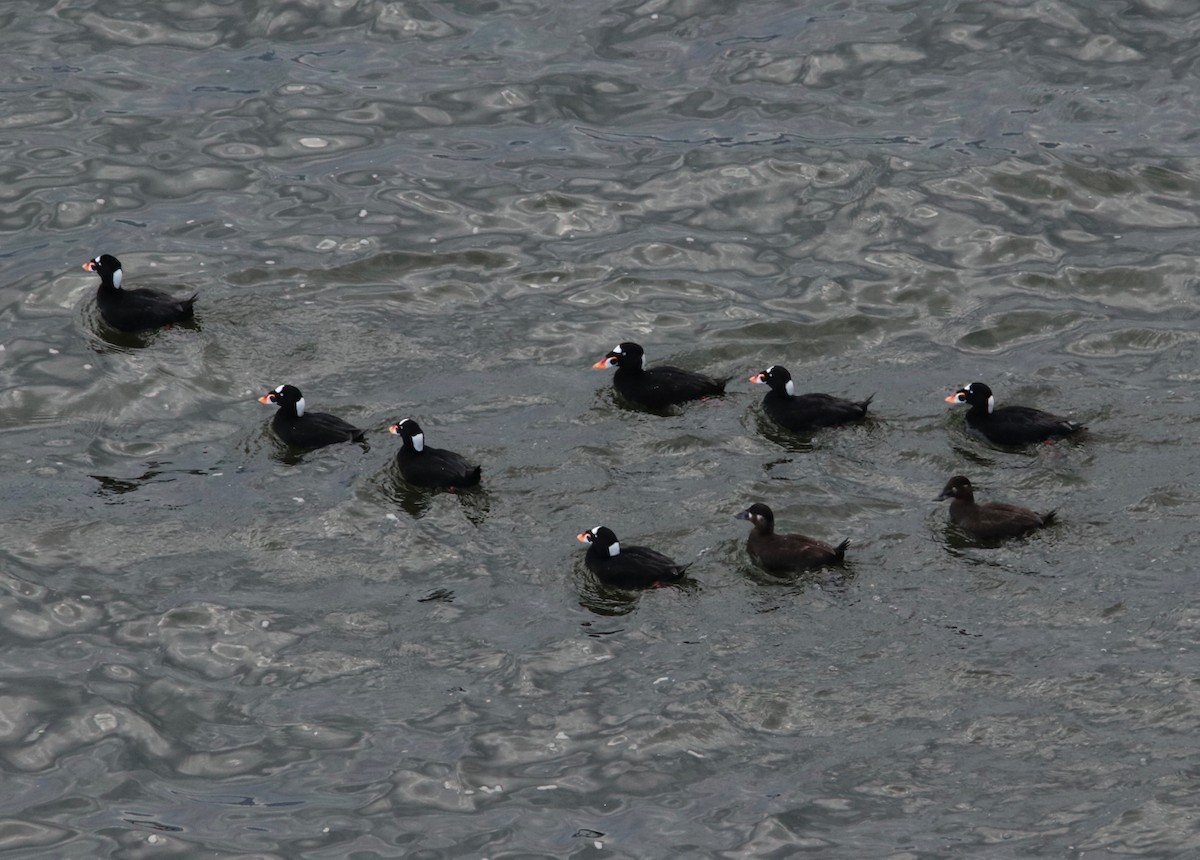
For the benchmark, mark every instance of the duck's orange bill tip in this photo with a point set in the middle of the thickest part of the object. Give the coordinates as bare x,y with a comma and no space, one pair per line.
583,537
602,364
395,428
757,378
953,398
89,266
266,398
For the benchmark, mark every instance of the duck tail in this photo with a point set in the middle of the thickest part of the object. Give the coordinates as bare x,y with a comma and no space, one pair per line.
189,303
864,404
1048,517
840,549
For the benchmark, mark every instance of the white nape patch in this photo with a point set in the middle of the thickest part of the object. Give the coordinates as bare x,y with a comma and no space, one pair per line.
615,549
117,276
642,363
299,407
418,442
789,388
991,403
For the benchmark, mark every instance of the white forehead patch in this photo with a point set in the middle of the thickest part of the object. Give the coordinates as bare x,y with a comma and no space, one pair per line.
418,441
617,349
118,275
299,407
279,390
771,369
615,549
789,387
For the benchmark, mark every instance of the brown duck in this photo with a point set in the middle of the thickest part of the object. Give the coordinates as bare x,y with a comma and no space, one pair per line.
778,553
991,519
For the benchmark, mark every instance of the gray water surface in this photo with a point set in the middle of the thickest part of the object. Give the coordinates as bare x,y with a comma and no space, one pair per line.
212,648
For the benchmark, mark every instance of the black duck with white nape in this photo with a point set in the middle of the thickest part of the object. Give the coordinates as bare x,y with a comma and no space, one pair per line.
425,466
630,566
1010,426
136,310
656,387
297,427
805,413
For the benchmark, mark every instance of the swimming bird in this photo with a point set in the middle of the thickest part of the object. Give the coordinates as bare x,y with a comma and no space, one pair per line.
805,412
631,566
991,519
297,427
134,310
426,466
656,387
778,553
1010,425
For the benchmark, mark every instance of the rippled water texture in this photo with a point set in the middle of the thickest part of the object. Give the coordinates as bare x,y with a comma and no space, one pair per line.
213,647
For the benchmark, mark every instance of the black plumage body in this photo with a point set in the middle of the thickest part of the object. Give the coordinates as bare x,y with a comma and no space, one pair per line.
299,428
425,466
802,413
656,387
134,310
628,567
1012,426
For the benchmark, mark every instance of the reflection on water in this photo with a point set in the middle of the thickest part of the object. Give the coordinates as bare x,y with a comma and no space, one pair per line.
211,645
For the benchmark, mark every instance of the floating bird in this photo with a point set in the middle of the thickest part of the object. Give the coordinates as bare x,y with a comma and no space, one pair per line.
631,566
302,429
991,519
656,387
425,466
1010,425
778,553
805,412
134,310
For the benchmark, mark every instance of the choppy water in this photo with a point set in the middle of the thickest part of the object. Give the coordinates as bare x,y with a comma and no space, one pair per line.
450,211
